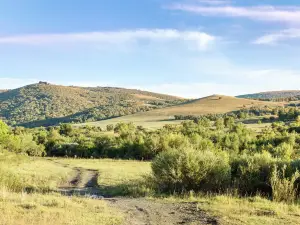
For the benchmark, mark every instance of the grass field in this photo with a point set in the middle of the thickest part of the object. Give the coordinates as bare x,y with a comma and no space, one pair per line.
116,177
22,208
209,105
231,210
147,121
49,209
42,205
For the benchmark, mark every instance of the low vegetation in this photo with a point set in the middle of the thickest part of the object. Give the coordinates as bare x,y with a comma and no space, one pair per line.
48,209
232,210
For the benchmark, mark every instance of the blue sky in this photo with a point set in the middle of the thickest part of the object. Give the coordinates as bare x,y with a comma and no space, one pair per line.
189,48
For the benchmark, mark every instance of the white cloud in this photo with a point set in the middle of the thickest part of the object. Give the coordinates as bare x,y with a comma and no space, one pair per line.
263,13
201,39
10,83
214,2
276,37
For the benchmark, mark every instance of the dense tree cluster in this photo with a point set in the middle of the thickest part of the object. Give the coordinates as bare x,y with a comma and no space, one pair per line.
266,114
275,96
19,142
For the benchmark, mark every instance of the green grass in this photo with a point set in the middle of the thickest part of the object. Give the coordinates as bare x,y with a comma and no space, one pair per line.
258,127
230,210
19,173
116,177
139,119
32,174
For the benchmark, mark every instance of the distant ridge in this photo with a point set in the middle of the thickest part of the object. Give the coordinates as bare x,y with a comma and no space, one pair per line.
272,94
45,104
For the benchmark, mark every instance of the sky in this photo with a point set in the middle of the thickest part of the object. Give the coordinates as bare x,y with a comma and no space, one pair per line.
188,48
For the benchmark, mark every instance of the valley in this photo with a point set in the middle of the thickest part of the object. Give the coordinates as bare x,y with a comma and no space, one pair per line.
214,160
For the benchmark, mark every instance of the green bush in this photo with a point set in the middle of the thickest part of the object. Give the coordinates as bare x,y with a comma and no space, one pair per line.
283,188
189,169
251,174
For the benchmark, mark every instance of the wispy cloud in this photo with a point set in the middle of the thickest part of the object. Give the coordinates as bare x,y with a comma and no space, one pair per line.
274,38
214,2
264,13
201,39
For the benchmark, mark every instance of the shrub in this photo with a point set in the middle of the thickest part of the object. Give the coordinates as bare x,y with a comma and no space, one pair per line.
9,180
189,169
283,188
251,174
110,127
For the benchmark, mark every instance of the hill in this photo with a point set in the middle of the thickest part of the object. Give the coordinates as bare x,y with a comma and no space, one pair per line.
288,95
214,104
45,104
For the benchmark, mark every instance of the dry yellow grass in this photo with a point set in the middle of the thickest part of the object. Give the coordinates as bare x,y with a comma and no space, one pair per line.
231,210
145,97
209,105
49,209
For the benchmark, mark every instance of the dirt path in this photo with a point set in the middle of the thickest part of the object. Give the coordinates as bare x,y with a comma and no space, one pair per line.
138,211
149,212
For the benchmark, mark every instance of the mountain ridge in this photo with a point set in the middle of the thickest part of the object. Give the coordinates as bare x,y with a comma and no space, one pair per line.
43,101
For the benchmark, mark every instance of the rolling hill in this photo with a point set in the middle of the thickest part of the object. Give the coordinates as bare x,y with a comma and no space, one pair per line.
272,95
45,104
214,104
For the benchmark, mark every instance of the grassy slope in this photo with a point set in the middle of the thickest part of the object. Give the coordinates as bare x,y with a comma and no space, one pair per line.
212,104
45,102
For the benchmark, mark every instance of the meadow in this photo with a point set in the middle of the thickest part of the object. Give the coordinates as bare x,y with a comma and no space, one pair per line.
28,195
50,207
156,119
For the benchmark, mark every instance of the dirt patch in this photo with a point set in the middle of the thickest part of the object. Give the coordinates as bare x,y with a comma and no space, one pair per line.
83,182
149,212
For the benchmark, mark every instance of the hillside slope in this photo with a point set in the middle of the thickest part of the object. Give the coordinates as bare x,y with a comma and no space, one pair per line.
209,105
45,104
272,95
